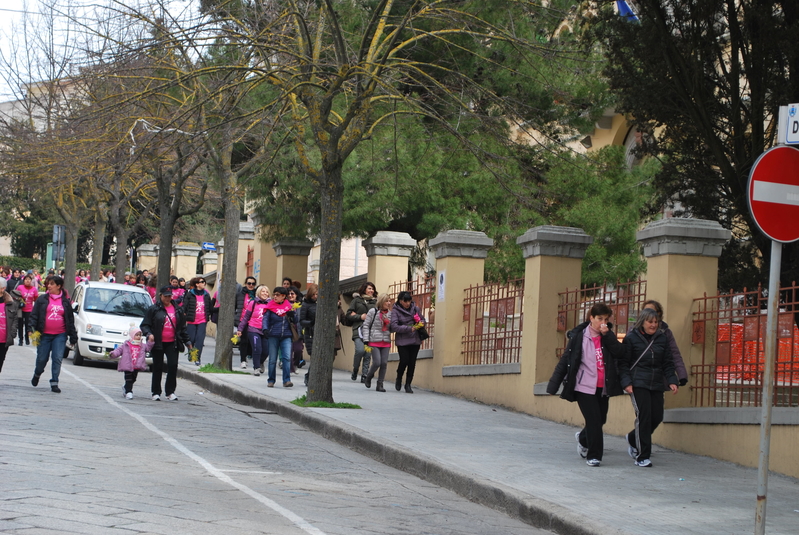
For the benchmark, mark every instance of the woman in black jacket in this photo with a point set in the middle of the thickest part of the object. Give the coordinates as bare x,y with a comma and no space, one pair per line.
308,319
165,325
646,370
52,317
362,302
588,366
198,307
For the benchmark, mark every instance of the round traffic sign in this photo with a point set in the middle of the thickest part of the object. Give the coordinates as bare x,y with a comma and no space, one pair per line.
773,193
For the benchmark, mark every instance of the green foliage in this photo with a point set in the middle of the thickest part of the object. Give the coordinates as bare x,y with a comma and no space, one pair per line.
210,368
16,262
600,195
302,401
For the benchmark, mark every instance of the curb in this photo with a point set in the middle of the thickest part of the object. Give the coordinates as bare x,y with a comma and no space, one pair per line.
516,504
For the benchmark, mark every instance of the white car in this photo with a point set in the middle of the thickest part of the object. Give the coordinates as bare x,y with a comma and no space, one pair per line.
104,314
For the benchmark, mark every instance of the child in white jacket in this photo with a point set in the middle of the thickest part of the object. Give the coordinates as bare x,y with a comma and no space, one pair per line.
132,358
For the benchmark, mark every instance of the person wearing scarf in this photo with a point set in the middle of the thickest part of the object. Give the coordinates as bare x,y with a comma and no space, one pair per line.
377,334
277,319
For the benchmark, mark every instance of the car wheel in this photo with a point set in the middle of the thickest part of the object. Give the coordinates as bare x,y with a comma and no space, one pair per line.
77,358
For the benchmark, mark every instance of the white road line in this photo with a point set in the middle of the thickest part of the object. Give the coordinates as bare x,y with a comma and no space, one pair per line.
217,473
253,472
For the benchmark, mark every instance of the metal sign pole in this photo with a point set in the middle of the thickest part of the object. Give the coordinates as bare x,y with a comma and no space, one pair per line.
768,385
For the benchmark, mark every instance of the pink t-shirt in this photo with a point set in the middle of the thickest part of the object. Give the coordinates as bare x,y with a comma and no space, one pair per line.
54,322
3,324
199,310
136,354
257,317
168,334
600,361
29,295
247,300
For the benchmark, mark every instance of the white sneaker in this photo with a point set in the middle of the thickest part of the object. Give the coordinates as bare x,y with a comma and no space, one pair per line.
129,395
593,462
156,397
646,463
172,397
632,452
256,373
243,365
580,449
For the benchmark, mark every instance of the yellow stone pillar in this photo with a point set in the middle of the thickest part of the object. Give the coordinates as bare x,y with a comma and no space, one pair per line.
460,263
147,258
292,261
388,253
682,264
184,260
210,262
553,263
246,240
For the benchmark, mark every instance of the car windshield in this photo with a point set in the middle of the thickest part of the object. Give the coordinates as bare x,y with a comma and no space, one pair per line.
116,302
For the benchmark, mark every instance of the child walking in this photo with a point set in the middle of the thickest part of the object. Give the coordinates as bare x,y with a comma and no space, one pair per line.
132,358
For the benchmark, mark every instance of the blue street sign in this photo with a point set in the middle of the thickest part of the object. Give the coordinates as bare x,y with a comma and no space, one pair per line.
209,246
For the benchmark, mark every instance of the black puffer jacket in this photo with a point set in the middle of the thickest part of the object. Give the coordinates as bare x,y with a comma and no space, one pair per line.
569,364
189,305
654,366
308,322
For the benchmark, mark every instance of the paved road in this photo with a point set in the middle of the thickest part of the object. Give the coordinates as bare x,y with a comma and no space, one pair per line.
88,461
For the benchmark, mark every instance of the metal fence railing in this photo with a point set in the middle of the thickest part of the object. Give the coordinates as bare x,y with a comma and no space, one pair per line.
493,315
422,289
730,330
624,298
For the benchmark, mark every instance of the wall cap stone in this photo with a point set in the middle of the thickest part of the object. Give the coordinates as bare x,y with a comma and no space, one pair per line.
148,249
481,369
683,236
730,416
186,249
246,230
388,243
550,240
209,258
464,243
292,247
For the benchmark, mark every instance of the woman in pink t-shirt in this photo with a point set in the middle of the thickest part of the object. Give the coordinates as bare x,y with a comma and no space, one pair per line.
8,325
29,294
164,325
52,317
252,323
197,306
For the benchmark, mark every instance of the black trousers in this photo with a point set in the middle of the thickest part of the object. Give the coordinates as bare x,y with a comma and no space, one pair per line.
648,405
171,352
407,359
130,378
3,351
595,411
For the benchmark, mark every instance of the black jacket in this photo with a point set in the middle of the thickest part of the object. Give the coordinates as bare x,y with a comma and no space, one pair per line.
153,323
566,370
654,366
39,314
359,306
189,305
308,322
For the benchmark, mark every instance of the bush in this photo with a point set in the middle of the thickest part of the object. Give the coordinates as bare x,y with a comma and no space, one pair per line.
25,264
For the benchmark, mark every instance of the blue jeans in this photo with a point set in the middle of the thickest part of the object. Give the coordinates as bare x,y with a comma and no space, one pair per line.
197,336
284,346
50,345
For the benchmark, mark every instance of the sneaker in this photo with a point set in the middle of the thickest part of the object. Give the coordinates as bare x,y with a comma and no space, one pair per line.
270,385
580,449
354,376
244,365
646,463
593,462
262,369
632,452
172,397
54,388
197,363
35,380
156,397
129,395
256,373
301,364
288,384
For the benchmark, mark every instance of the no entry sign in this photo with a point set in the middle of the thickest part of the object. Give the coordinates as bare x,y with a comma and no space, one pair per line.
774,193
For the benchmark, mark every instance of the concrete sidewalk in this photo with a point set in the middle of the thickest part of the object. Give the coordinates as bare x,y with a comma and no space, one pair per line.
525,466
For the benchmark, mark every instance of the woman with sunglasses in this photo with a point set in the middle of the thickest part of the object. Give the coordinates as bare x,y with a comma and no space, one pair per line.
243,297
197,307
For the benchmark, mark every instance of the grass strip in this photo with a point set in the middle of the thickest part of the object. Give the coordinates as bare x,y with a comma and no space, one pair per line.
302,401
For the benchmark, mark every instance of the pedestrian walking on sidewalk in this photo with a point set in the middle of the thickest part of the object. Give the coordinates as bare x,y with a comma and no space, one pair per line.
406,320
589,376
679,365
197,307
243,298
377,334
279,317
295,297
363,301
164,324
52,317
132,357
29,293
646,370
9,308
251,325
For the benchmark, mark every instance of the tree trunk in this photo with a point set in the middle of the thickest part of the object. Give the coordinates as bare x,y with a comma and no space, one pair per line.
100,222
320,384
70,255
227,289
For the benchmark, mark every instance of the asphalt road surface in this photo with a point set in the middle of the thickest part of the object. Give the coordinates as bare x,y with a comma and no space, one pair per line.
89,461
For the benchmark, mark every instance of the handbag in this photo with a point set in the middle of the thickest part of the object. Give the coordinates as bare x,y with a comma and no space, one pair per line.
295,336
423,334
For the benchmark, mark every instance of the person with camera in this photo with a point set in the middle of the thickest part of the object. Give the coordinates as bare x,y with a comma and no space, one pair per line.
164,324
587,370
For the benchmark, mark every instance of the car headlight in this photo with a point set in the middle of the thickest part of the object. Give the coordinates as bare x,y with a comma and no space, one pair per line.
94,329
